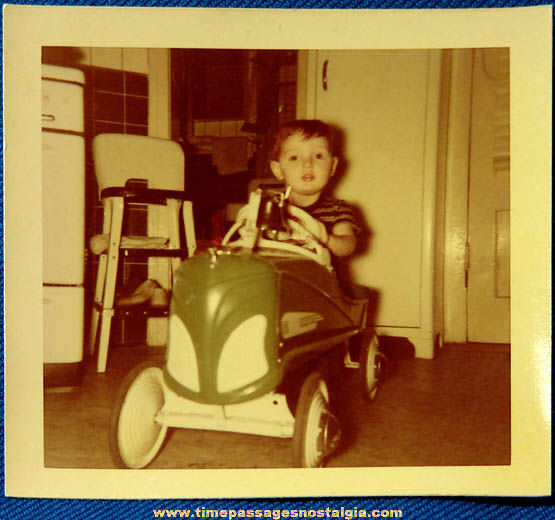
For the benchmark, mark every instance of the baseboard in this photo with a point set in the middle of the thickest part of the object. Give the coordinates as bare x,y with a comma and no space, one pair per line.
62,374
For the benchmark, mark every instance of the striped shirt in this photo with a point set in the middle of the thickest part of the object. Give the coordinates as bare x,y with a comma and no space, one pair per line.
331,211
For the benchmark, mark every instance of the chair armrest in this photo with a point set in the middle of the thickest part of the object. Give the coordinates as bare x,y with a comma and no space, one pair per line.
143,195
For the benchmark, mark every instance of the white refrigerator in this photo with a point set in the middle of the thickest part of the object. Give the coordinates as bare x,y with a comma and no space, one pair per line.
63,178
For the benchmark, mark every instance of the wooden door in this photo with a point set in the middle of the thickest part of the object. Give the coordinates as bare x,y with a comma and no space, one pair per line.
489,200
380,100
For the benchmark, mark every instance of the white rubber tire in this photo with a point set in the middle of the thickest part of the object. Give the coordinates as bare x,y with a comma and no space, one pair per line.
370,366
311,417
135,436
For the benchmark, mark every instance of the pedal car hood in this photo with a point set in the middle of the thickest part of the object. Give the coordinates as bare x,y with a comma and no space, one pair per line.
223,333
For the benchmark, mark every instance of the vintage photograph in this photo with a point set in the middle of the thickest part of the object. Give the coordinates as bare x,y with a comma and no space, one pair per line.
245,259
276,258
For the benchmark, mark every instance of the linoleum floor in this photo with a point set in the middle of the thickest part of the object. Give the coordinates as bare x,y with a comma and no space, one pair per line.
450,411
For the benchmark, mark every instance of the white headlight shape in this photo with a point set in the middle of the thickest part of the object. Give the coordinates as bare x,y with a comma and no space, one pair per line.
182,359
243,359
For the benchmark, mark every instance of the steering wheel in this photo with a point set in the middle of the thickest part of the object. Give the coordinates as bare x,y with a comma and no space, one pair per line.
297,232
304,227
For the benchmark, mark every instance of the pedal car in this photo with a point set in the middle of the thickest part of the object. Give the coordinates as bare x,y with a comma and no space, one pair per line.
256,327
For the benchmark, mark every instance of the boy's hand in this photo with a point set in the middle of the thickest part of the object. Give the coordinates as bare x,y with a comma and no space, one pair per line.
312,225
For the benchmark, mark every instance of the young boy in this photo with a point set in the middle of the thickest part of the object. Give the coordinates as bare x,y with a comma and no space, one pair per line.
303,156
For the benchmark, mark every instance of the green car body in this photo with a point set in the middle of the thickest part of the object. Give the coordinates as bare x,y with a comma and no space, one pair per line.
239,321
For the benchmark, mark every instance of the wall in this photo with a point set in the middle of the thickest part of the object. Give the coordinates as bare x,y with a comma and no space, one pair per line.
118,89
130,59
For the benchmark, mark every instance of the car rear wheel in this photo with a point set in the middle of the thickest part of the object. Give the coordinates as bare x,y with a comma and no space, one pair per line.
371,365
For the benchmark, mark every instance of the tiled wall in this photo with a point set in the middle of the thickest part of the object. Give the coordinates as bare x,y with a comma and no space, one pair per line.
130,59
117,88
119,101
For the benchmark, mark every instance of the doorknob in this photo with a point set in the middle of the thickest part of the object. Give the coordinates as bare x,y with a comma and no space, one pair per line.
325,75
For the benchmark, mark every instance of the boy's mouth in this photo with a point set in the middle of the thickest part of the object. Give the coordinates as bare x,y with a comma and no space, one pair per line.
307,177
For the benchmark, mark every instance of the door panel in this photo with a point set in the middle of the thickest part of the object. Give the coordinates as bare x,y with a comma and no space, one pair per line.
489,200
379,98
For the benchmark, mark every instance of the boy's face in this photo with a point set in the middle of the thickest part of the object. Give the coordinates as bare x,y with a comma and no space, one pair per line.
305,164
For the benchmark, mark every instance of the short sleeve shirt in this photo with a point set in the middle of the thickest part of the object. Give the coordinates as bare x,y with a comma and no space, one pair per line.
332,211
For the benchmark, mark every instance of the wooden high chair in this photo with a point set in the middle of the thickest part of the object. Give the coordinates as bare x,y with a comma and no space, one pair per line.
119,158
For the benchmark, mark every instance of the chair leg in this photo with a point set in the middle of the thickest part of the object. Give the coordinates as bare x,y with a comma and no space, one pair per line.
110,283
189,225
173,207
100,280
104,340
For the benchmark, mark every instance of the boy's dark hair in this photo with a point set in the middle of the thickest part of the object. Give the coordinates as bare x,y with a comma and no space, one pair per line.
308,128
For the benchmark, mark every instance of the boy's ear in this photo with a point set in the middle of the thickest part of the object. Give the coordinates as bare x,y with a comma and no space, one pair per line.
276,170
334,163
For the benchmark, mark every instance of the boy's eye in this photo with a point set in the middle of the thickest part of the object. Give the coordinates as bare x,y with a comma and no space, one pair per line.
292,157
319,156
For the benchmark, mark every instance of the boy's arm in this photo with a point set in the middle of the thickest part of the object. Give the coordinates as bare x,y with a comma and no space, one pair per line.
342,241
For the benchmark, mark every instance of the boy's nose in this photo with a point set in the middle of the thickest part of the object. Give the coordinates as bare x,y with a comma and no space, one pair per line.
307,163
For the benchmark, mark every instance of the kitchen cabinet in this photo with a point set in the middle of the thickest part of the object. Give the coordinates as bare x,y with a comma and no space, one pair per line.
386,106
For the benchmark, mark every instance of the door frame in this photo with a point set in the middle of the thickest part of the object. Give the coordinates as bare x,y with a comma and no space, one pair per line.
456,196
159,125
